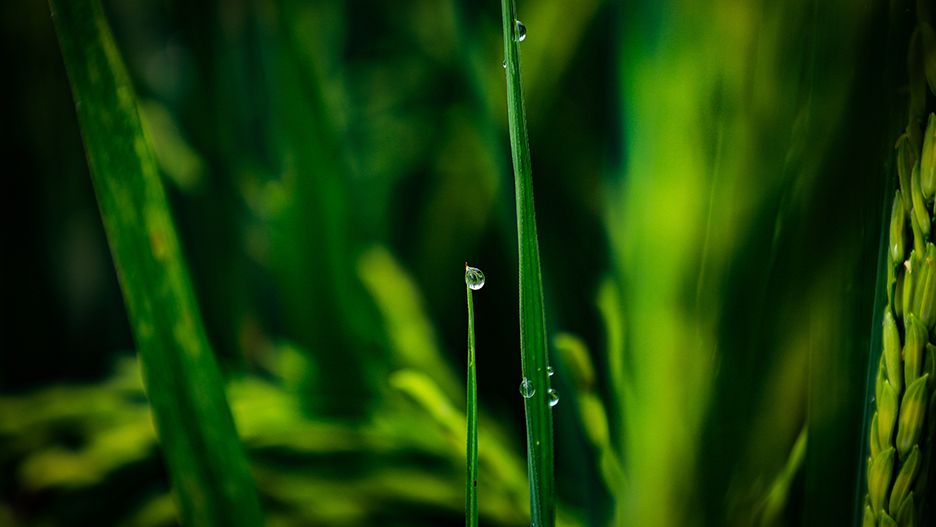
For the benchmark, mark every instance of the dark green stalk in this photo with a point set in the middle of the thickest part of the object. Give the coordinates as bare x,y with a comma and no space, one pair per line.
532,318
207,465
471,483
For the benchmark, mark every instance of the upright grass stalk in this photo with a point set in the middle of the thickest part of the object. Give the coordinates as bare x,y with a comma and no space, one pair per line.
208,468
474,280
535,383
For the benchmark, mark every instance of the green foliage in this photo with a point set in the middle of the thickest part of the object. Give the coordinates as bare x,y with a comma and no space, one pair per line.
295,458
712,191
732,289
208,467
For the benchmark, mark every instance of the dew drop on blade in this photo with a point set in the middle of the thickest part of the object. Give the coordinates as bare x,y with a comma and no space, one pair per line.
550,371
504,64
526,388
474,278
553,397
521,32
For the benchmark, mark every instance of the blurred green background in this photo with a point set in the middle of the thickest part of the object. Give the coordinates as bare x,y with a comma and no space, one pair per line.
710,180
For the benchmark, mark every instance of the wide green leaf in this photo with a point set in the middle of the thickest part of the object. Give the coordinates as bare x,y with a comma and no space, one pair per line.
207,465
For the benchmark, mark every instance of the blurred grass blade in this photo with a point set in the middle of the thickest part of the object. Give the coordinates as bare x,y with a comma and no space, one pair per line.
414,342
574,358
208,468
471,483
779,491
532,317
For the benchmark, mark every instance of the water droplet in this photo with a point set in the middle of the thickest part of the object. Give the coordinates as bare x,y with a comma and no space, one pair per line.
521,32
474,278
526,388
553,397
550,371
504,64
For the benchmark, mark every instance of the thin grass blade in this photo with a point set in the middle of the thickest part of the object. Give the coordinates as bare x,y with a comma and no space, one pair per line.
471,483
532,318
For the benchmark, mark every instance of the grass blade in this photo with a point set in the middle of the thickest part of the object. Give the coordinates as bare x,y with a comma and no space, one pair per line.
471,483
308,151
532,317
207,465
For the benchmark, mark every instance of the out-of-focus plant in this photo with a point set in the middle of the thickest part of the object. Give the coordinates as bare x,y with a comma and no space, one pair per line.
732,302
294,457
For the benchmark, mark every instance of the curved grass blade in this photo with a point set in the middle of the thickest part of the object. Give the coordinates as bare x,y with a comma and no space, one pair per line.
532,317
471,483
207,465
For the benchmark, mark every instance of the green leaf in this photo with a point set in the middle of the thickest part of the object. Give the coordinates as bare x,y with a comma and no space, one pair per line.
207,465
532,317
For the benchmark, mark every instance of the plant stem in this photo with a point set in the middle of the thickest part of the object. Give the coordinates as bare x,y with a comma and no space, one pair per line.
471,484
207,465
532,318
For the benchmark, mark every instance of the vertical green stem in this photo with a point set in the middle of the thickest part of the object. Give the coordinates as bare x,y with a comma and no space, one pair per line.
532,318
209,470
471,484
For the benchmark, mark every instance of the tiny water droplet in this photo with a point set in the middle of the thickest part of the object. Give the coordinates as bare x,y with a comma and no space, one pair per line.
521,31
526,388
553,397
504,64
474,278
550,371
